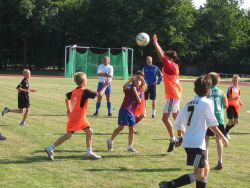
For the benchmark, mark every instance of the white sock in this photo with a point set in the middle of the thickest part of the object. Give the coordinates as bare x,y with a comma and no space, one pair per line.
52,147
111,141
130,146
89,150
153,112
172,139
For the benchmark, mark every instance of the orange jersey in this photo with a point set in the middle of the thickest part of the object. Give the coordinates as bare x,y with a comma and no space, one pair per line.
233,97
77,118
140,109
173,89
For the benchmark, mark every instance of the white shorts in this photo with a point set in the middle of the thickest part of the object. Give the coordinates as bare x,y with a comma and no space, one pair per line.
171,106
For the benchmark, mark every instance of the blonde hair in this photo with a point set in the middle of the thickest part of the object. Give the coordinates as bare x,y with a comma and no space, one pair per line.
235,77
79,78
215,77
25,71
143,82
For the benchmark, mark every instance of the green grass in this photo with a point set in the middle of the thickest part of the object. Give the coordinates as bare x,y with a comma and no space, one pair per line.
23,162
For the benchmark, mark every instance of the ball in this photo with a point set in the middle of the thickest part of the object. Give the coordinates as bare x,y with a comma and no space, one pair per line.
142,39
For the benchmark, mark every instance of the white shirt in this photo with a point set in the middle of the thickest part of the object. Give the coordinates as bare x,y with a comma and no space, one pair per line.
194,119
105,69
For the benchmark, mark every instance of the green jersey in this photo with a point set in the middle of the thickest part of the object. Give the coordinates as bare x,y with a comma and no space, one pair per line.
217,96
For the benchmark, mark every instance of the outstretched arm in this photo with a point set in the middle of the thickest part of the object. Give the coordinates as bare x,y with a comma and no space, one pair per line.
158,48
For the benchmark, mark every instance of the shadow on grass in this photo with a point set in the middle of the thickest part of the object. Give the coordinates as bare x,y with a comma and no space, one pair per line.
8,125
239,133
97,134
48,115
59,151
124,169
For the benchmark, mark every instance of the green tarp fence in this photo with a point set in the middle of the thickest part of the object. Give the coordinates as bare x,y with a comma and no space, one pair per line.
88,62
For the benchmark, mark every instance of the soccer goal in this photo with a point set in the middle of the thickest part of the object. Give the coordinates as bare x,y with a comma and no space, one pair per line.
87,59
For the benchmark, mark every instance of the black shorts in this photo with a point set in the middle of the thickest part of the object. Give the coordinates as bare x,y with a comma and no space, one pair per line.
23,102
221,128
196,157
231,113
150,92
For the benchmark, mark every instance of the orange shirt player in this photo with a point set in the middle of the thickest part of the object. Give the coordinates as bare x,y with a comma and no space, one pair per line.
77,106
173,90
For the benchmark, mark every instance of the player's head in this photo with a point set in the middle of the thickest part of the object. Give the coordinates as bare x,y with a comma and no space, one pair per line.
80,79
215,77
106,60
149,60
139,82
202,85
26,73
236,79
172,55
139,72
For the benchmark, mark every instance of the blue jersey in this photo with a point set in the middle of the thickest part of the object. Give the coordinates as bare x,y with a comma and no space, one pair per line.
150,74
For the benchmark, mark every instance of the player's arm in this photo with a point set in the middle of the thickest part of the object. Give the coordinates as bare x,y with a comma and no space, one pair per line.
136,95
32,90
218,133
68,101
225,101
160,76
158,48
20,89
104,87
104,74
125,86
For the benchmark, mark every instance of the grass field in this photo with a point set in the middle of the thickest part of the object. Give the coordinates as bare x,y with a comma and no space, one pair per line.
23,162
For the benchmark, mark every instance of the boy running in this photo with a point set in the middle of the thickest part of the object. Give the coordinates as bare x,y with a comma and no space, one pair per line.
194,119
234,104
77,106
23,98
173,90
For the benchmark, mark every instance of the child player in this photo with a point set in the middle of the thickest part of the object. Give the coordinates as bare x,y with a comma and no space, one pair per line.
126,117
193,120
77,106
23,98
234,104
220,103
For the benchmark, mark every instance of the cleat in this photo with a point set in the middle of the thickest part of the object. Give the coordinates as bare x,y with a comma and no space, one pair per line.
110,114
153,116
219,166
5,110
95,114
2,137
24,124
179,141
110,145
92,156
171,146
132,150
50,153
166,184
228,136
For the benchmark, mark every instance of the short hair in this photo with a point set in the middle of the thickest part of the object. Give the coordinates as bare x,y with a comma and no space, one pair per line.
235,76
215,77
202,85
172,54
139,72
25,71
79,78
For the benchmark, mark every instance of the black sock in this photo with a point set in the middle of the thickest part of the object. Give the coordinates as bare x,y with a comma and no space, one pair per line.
228,127
201,184
183,180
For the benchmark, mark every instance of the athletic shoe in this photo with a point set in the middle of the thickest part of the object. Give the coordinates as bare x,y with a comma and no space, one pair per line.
219,166
153,116
92,156
179,141
136,132
23,124
110,145
2,137
132,150
50,153
166,184
95,114
228,136
5,110
171,146
110,114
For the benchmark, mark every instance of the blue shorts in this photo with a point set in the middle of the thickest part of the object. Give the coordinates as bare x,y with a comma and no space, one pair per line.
108,89
126,118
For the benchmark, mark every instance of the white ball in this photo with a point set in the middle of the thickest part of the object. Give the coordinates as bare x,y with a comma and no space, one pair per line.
142,39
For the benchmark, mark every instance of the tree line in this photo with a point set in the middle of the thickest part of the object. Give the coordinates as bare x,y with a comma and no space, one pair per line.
212,37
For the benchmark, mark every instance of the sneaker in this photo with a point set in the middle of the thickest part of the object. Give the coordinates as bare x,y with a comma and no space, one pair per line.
2,137
5,110
153,116
23,124
228,136
92,156
132,150
50,153
110,114
179,141
166,184
95,114
110,145
171,146
219,166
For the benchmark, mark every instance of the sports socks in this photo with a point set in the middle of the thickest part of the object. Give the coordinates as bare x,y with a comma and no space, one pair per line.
183,180
98,105
228,127
109,107
172,139
201,184
89,150
153,112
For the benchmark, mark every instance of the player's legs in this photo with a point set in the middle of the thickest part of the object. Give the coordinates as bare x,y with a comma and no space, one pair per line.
25,116
116,131
108,97
130,139
219,153
99,99
18,111
153,108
